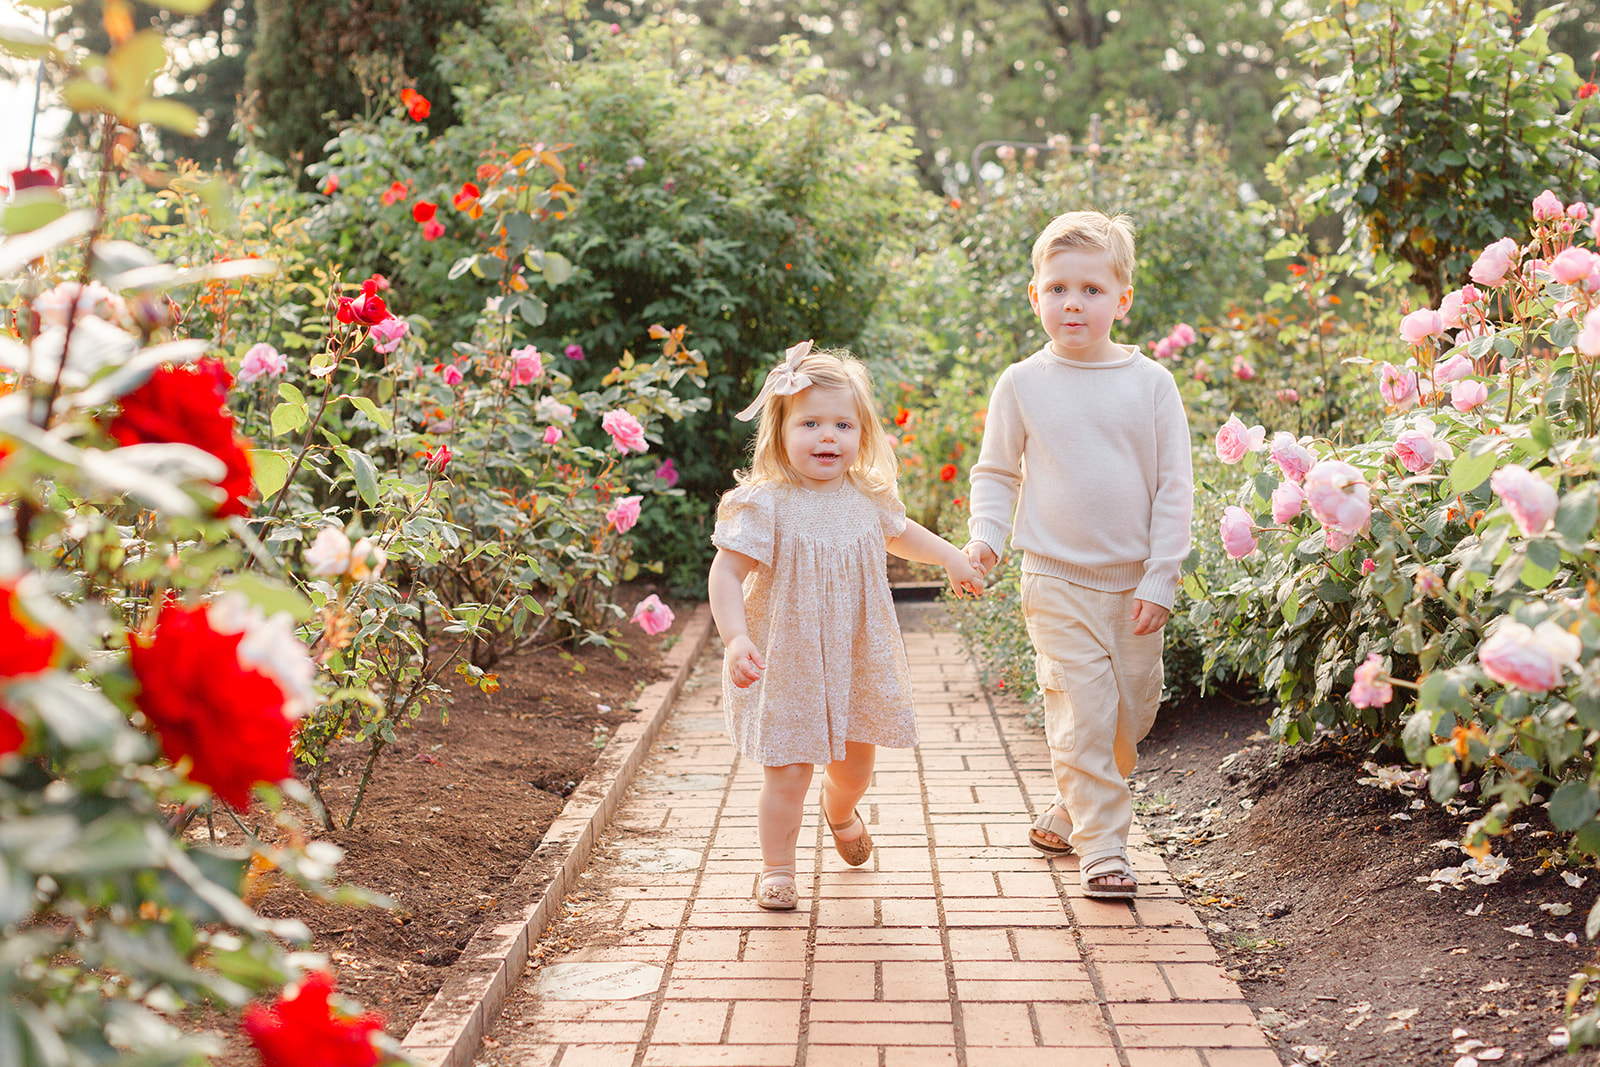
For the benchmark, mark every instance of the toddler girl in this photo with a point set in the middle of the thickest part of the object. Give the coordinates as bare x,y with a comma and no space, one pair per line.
815,670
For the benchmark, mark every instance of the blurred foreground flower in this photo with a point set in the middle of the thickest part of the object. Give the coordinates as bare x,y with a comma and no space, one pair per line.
301,1029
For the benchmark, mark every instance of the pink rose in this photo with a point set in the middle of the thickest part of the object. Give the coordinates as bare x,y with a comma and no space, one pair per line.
1464,396
1289,396
574,353
668,472
1420,325
1578,210
1234,440
329,554
1494,261
1237,539
386,335
1450,309
1242,369
452,375
1371,688
1292,458
1369,565
1547,206
1417,450
626,431
1183,334
1336,539
526,365
1574,265
1339,497
1588,341
1287,501
652,615
1453,369
1164,349
1398,385
552,434
1533,659
261,360
1531,500
625,514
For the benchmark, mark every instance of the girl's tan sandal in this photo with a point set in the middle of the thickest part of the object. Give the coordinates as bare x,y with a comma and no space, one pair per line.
776,891
857,850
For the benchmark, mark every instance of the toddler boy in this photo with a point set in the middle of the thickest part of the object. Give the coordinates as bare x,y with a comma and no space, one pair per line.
1086,466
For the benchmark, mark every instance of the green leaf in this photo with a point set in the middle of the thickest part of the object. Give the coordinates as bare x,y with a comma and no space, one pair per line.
1544,559
366,475
32,209
532,309
1473,467
289,392
1418,735
1442,691
372,411
1572,805
288,417
270,469
557,268
270,597
462,266
1578,512
136,62
1443,782
168,113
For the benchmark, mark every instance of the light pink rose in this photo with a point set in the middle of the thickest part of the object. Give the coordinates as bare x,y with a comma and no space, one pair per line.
1453,369
526,365
452,375
652,615
549,409
1546,206
1289,396
627,433
1164,349
1533,659
1420,325
1464,396
1234,440
1183,334
1531,500
1371,688
1242,369
1237,539
1450,309
1369,565
1338,540
1287,501
1578,210
1398,385
329,554
367,560
1339,496
259,361
625,513
1574,265
552,434
386,335
1493,262
1588,341
1415,450
1292,458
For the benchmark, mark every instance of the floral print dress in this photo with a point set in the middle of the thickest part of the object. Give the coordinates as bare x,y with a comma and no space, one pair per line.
819,610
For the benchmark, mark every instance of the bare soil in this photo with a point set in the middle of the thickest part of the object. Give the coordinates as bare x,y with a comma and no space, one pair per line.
1319,893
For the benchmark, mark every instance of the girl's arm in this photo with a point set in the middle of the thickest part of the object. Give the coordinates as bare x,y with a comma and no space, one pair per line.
921,545
725,588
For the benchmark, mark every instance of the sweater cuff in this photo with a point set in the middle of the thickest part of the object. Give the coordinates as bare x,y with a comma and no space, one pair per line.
1159,589
991,533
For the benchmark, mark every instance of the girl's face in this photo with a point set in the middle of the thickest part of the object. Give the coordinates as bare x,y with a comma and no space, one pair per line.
822,436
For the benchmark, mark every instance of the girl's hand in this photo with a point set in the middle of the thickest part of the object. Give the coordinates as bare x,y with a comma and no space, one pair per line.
744,662
964,577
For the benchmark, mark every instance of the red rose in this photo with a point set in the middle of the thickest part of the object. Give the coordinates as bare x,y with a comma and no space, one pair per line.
205,704
1586,90
465,196
25,648
189,405
947,473
34,178
901,417
423,210
302,1030
417,105
439,458
368,309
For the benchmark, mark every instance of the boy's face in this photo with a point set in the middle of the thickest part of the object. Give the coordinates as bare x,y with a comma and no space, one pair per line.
1077,296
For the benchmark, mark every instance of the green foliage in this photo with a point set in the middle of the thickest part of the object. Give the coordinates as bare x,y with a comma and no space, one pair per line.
1429,125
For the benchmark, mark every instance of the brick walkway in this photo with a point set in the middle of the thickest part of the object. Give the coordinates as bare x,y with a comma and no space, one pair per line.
955,944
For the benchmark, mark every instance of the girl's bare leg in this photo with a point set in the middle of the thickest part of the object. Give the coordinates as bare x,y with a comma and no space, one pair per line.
845,783
780,811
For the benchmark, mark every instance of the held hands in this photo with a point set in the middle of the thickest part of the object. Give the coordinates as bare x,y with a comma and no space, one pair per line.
1148,617
744,662
981,556
965,577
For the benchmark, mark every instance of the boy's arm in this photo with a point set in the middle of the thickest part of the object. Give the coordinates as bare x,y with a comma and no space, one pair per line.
1172,507
996,477
725,590
921,545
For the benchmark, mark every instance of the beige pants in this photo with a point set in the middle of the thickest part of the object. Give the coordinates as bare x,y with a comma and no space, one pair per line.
1102,684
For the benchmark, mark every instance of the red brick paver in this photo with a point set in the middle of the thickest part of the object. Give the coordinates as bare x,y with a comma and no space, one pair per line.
956,944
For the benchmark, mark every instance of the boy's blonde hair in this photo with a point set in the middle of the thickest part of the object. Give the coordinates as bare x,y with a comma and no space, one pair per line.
875,470
1092,230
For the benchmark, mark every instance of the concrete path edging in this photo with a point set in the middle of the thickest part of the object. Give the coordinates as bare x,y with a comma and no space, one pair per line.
452,1027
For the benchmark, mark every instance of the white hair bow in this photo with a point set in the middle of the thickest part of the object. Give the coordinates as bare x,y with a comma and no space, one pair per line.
785,379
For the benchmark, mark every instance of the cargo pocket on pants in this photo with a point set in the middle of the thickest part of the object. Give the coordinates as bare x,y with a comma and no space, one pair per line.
1058,718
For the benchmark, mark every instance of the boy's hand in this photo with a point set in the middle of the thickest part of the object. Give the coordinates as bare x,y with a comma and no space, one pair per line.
964,577
744,662
981,556
1148,617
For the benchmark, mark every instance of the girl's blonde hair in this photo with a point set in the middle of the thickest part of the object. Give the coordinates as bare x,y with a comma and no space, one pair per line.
875,470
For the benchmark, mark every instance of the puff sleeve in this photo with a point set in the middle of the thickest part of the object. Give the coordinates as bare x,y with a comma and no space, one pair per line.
893,517
745,523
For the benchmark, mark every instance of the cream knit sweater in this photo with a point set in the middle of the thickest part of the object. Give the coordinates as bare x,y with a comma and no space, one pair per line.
1093,460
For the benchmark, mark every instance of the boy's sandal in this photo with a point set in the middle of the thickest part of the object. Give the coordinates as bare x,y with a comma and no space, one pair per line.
857,850
1095,875
776,891
1051,823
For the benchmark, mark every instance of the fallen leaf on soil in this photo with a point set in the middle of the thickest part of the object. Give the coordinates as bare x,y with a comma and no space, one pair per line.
1521,930
1557,908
